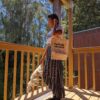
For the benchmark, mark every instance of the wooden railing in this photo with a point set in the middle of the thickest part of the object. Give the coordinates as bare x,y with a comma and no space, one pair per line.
31,52
85,51
25,60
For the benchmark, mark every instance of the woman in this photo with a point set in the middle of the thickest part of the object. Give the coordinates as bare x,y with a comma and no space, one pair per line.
53,69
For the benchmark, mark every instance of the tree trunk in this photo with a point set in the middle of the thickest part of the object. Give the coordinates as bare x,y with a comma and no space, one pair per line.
57,8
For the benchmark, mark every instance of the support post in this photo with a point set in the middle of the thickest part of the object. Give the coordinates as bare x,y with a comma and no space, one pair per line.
70,31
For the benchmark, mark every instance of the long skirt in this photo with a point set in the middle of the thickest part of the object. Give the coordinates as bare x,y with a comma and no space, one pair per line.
53,75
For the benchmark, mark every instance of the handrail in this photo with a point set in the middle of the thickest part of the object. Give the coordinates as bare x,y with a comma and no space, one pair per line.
33,55
17,47
86,49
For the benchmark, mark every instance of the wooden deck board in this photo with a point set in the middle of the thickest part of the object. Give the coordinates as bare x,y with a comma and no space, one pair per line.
76,97
70,95
87,96
73,94
93,98
44,97
77,94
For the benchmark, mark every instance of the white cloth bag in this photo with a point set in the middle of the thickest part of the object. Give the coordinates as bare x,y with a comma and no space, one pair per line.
33,79
38,71
59,48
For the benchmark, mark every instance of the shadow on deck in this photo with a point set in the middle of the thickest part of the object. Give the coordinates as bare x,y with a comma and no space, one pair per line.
71,94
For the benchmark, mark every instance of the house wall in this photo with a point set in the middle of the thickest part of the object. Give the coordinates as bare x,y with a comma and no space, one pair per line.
88,38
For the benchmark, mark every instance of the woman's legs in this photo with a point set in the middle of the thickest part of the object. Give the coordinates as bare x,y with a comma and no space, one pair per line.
53,75
57,85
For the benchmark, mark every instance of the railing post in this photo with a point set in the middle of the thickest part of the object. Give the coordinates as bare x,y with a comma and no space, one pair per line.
65,63
33,61
21,73
14,75
93,70
70,31
79,73
28,66
38,59
86,71
6,75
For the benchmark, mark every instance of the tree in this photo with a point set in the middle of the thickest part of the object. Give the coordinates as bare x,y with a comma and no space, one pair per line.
23,18
17,20
86,14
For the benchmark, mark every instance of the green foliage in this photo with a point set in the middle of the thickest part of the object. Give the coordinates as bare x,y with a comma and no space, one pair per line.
16,22
24,22
86,14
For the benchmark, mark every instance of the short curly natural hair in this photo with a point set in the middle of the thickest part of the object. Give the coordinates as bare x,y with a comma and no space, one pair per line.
53,16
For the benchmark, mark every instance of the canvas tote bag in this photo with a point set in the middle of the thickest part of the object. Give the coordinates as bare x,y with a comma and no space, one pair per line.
59,48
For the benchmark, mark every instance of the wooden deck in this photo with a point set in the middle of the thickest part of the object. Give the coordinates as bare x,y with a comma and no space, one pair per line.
71,94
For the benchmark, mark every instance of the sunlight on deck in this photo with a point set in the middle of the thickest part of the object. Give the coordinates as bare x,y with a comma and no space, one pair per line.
71,94
75,94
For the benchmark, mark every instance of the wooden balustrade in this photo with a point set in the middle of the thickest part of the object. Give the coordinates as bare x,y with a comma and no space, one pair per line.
19,48
28,51
85,51
36,54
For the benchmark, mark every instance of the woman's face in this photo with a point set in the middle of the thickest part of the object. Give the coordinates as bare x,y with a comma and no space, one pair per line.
50,23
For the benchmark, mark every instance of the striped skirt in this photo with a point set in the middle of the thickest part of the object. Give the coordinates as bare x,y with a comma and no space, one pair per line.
53,75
